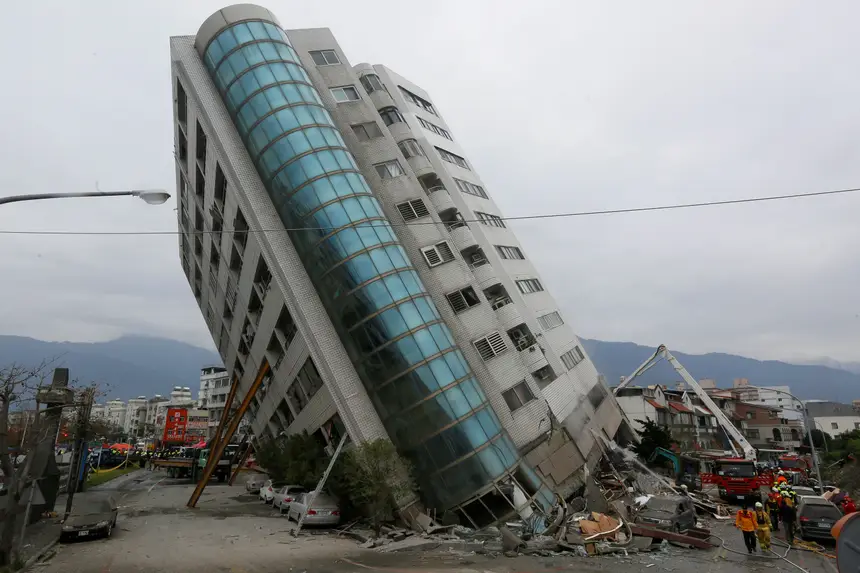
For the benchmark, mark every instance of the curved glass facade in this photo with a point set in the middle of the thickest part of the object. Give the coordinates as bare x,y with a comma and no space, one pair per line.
420,383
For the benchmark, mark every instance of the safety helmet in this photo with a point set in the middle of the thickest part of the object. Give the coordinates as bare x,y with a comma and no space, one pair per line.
683,487
785,494
775,489
758,505
780,473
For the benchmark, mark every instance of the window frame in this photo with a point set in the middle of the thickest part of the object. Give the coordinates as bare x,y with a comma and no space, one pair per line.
533,285
411,145
343,89
361,80
495,346
424,211
547,324
387,166
443,251
364,129
506,250
451,297
490,220
323,53
453,158
385,114
471,188
572,358
518,396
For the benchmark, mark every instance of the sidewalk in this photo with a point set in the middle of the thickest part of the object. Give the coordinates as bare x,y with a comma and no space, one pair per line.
40,534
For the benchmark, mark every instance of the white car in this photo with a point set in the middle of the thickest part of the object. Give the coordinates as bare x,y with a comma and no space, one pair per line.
324,510
286,495
268,489
254,483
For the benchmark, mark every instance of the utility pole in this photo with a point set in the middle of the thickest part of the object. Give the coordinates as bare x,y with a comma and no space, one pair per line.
83,412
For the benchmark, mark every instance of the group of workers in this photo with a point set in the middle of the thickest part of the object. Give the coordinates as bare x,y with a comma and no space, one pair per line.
781,505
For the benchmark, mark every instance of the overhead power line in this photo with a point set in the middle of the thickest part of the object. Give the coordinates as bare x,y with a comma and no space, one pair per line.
513,218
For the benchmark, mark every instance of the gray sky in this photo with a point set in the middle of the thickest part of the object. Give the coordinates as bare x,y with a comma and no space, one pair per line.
561,106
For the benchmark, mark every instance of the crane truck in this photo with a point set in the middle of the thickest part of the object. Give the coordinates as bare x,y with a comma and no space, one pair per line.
192,464
736,475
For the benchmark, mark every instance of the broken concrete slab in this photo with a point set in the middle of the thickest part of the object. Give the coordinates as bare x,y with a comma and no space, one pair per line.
510,541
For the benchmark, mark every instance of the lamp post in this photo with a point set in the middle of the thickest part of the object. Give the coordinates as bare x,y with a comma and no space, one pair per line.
824,435
150,196
805,414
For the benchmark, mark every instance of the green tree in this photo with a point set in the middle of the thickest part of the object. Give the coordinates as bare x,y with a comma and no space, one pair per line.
298,459
376,478
651,437
819,438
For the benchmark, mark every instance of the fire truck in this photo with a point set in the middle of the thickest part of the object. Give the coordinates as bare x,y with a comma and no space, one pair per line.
734,473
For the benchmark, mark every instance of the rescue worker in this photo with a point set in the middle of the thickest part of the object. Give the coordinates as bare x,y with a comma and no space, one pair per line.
848,505
780,478
762,519
774,499
788,516
746,522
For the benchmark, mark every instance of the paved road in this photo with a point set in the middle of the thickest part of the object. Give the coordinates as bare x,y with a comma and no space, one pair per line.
232,532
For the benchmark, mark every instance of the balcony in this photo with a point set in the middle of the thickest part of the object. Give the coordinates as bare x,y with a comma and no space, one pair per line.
507,313
420,165
441,199
381,99
484,274
462,236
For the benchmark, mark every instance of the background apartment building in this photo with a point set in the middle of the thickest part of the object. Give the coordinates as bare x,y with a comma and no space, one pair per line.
214,388
378,278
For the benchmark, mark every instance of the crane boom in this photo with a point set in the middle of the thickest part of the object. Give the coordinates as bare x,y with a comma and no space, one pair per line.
724,421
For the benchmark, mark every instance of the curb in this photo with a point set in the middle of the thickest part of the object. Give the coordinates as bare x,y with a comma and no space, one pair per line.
41,553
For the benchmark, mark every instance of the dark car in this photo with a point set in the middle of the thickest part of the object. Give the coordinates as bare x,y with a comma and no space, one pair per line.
671,512
816,517
92,516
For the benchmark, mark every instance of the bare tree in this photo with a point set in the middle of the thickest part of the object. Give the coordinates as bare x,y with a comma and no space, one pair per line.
18,387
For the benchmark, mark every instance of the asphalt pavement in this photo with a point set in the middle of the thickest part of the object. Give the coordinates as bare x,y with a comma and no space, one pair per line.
232,531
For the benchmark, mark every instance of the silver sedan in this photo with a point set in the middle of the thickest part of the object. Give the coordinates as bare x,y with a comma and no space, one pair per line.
324,510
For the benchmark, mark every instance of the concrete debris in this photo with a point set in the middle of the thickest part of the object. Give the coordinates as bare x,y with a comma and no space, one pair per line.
510,541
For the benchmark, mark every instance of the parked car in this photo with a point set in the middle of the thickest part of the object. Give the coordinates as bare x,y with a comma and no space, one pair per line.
803,491
255,482
286,495
324,510
670,512
93,515
816,517
268,489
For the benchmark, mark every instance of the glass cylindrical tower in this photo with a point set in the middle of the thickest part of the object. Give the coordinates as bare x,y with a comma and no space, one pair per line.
421,385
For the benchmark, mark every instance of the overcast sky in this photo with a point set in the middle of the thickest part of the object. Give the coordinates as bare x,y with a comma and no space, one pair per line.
561,106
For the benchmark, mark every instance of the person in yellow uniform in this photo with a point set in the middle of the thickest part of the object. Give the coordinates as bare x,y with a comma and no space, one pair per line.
762,518
746,522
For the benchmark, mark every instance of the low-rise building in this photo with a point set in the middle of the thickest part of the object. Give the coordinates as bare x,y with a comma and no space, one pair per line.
135,417
833,418
764,426
115,412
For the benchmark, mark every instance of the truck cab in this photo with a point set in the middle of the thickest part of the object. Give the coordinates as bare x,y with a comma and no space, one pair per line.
737,478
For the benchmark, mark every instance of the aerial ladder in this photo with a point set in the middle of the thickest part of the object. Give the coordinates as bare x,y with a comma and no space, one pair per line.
747,451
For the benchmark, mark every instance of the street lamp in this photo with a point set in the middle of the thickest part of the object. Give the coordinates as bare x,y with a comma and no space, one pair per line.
150,196
805,414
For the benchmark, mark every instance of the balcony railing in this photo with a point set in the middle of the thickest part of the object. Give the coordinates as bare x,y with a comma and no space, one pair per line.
500,302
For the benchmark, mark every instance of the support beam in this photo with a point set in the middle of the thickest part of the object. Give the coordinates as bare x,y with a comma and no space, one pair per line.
217,449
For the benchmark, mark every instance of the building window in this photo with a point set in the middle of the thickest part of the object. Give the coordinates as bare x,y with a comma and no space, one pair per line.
366,131
389,169
181,103
371,83
490,346
750,415
753,434
528,286
325,58
834,426
410,148
418,100
390,115
596,395
452,158
438,254
572,357
297,397
518,396
857,425
414,209
310,379
463,299
510,252
345,94
471,188
491,220
435,129
550,321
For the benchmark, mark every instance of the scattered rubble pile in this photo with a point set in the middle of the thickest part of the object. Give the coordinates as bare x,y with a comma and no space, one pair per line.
602,518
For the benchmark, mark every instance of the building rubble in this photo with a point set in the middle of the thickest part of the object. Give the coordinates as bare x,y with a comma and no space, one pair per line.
600,519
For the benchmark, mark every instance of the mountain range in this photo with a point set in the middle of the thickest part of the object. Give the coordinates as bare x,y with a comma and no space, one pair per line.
133,366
